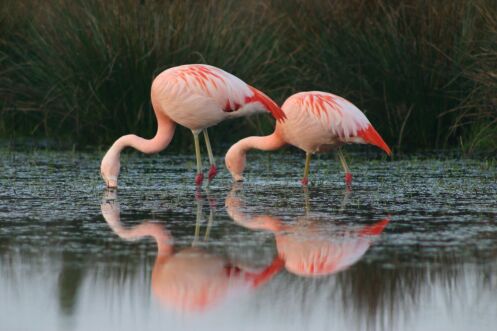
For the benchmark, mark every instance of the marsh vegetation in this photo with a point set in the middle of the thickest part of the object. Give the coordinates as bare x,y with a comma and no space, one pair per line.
80,71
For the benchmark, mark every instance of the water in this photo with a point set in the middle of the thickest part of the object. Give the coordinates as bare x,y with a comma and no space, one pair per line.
412,247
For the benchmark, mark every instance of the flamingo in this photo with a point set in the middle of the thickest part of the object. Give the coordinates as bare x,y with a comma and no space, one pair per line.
190,279
315,122
311,245
196,96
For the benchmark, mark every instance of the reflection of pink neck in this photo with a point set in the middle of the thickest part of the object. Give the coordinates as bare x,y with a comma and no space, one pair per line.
264,222
147,229
302,252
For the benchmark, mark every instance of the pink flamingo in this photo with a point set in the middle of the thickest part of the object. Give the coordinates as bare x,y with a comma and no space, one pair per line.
196,96
315,122
308,249
191,279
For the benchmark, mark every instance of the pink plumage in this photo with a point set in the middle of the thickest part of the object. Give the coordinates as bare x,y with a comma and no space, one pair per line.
319,121
199,96
196,96
315,122
306,247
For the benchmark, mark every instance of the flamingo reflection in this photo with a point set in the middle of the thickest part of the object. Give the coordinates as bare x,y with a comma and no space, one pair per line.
311,245
191,279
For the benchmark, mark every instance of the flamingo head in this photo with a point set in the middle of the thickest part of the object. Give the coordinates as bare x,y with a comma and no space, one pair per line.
109,168
235,162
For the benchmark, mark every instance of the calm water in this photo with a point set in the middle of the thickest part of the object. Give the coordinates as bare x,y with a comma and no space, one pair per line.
412,247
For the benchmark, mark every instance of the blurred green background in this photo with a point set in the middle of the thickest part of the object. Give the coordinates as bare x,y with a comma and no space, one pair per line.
79,71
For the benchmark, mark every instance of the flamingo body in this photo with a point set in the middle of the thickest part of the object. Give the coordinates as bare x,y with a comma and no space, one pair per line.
196,96
200,96
319,122
314,122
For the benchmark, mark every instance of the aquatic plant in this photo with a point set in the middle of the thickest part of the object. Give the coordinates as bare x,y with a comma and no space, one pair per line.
423,71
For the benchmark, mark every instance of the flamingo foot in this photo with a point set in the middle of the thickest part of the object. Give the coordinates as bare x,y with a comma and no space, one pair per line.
348,180
199,178
305,181
212,172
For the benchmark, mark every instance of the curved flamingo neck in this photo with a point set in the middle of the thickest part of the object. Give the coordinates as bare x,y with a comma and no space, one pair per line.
110,165
164,135
266,143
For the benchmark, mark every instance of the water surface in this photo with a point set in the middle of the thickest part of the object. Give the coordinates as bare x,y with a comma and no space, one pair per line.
413,246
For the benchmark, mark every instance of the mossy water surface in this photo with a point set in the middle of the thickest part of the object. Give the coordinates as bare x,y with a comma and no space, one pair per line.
69,259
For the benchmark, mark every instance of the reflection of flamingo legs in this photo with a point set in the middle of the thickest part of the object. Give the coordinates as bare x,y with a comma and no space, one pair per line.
199,216
192,278
307,206
345,199
198,219
307,200
209,223
307,248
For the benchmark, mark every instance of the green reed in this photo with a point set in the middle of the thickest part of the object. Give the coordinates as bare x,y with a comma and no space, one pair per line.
423,71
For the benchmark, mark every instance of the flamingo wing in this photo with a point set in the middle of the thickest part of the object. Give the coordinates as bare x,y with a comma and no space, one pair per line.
229,92
338,117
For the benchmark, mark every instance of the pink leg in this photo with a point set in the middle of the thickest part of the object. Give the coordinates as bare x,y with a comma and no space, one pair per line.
212,172
348,175
305,181
348,180
199,178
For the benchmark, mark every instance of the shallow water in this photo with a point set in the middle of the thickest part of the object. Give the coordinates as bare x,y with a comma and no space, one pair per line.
413,246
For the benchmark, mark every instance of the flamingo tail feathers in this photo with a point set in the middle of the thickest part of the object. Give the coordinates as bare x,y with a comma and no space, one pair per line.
371,136
375,229
268,103
268,272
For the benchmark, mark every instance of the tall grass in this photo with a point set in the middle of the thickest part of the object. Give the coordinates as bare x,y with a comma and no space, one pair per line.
423,71
404,63
84,68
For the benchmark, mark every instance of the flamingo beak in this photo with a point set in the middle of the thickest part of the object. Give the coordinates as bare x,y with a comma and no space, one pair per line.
110,181
238,178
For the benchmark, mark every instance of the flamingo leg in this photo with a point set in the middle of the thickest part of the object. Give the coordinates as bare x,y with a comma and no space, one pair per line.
200,176
348,175
213,168
305,180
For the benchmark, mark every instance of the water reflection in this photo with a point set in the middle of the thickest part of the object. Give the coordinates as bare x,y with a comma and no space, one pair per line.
192,278
311,244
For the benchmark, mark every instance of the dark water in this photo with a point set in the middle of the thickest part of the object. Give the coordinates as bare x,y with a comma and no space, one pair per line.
412,247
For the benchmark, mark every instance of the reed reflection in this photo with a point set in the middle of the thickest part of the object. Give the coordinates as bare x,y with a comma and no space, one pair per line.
310,245
191,279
